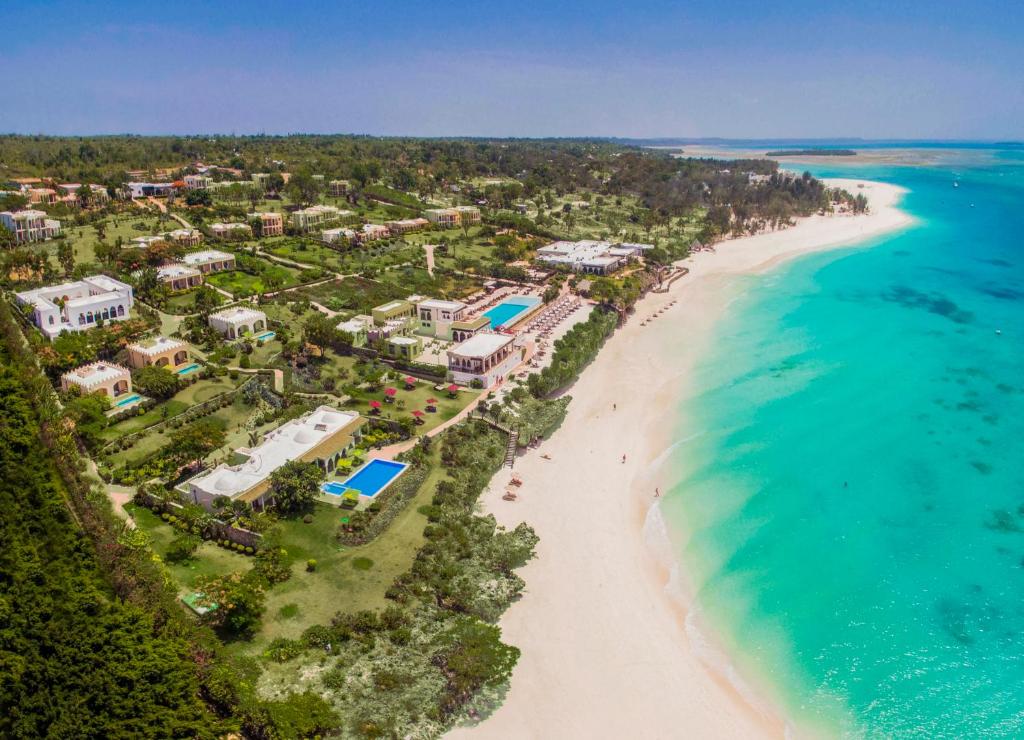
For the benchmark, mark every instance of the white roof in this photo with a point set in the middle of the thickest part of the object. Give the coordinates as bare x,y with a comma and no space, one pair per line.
442,305
230,226
404,340
27,213
176,233
238,314
288,442
483,344
95,374
157,345
388,306
174,270
207,255
356,324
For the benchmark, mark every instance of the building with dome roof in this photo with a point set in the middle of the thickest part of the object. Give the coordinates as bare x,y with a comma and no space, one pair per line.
323,436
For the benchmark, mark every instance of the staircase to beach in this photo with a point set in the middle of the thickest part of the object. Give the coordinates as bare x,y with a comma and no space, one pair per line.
510,450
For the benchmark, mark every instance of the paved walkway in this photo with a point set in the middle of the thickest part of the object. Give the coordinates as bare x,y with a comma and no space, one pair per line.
429,249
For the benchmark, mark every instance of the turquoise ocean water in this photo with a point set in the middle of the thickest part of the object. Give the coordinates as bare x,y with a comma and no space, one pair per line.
851,503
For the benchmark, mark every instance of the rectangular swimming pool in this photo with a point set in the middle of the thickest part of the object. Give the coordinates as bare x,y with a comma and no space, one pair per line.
266,335
369,480
188,369
509,311
128,400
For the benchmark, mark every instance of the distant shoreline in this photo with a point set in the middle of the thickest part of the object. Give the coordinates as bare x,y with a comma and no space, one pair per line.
812,153
605,646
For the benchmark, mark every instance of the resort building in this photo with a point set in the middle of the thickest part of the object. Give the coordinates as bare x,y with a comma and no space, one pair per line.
160,351
393,310
148,189
338,188
358,327
232,230
144,242
407,224
436,317
98,195
239,321
42,196
99,377
268,223
468,214
485,357
444,218
323,436
332,236
197,182
79,305
309,219
186,237
179,277
463,330
210,260
403,347
373,232
30,225
592,257
260,178
449,218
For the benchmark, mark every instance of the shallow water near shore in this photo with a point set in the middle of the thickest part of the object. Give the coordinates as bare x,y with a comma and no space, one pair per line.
851,498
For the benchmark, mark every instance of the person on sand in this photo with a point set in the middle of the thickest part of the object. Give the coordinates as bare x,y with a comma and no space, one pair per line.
657,492
623,458
614,406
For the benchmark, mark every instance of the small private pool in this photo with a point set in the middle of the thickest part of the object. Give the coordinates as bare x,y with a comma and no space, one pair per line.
266,336
187,369
127,400
510,311
369,480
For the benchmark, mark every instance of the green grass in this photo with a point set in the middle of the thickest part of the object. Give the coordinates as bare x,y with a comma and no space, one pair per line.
412,400
201,390
209,559
241,284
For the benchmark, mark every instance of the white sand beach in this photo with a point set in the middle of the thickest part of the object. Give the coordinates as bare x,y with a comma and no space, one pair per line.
605,652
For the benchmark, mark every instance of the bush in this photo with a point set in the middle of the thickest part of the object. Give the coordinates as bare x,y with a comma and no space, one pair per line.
311,565
307,519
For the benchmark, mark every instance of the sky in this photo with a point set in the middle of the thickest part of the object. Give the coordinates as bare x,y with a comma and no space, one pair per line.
936,69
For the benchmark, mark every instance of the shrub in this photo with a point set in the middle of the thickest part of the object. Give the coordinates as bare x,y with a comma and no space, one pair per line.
311,565
307,519
249,551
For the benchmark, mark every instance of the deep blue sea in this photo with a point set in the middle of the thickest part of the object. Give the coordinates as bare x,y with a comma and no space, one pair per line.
852,491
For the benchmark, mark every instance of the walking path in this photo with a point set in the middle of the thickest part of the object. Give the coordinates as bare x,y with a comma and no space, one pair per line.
429,249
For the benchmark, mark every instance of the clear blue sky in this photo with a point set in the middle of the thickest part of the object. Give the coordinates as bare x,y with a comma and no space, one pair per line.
733,68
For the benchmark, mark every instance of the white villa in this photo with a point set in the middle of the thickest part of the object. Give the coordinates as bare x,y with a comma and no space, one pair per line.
185,237
148,189
437,316
79,305
197,182
324,436
310,218
232,230
144,242
238,321
358,327
449,218
210,260
178,276
30,225
159,351
485,356
592,257
334,235
99,377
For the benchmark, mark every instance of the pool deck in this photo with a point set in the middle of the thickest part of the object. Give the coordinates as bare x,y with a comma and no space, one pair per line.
519,318
335,499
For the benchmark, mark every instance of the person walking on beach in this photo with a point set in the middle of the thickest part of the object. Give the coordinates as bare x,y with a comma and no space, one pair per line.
623,459
657,492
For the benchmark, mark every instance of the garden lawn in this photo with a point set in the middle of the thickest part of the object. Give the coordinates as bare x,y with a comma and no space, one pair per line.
412,400
241,284
209,559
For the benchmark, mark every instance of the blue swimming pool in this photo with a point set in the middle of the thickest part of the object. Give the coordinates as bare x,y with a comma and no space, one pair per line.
127,400
188,369
369,480
507,312
266,335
